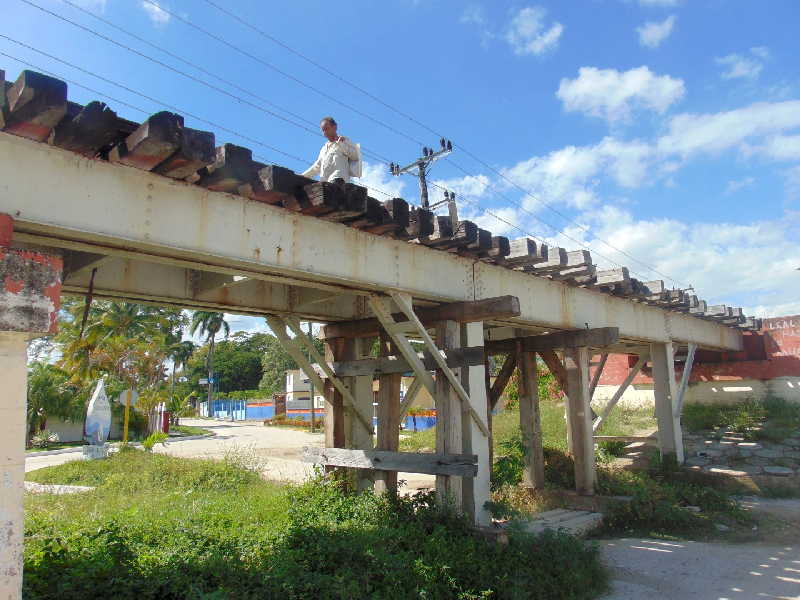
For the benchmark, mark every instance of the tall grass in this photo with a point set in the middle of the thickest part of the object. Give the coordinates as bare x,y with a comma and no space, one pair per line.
159,527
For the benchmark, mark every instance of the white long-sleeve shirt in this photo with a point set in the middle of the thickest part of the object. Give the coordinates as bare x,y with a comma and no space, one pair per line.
334,160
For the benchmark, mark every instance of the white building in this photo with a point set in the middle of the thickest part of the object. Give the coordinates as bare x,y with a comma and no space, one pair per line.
298,388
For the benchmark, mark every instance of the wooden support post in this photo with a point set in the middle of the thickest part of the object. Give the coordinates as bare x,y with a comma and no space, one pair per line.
576,365
357,436
334,402
475,491
529,421
670,437
448,414
388,419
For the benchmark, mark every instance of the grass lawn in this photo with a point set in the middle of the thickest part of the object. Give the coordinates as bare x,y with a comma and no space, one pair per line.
505,425
162,527
189,430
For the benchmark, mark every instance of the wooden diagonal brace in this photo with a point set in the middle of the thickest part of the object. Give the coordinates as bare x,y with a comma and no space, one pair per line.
624,386
408,399
278,326
687,371
406,308
502,379
294,325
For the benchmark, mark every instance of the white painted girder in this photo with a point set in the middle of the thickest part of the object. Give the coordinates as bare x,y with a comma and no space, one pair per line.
55,193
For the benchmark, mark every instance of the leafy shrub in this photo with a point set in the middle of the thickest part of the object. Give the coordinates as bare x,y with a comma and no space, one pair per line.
157,437
44,438
294,422
257,541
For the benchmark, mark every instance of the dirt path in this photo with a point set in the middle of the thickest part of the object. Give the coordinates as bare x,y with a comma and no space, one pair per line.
645,568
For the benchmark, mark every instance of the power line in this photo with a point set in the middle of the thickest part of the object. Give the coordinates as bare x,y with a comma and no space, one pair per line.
402,113
279,71
150,99
183,73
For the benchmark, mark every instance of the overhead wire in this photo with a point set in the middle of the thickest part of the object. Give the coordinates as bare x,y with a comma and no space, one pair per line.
272,113
528,193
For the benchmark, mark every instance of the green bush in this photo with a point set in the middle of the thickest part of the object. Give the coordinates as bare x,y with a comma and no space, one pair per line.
166,538
157,437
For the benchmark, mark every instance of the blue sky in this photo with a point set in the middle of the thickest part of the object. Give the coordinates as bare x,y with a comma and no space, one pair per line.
662,134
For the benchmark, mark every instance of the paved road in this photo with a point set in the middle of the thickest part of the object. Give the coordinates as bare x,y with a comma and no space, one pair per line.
701,571
277,450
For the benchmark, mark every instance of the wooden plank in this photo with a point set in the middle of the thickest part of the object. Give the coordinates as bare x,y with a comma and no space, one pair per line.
151,144
524,252
598,422
594,338
3,100
393,217
272,184
403,301
408,399
334,402
420,224
500,307
461,465
501,381
36,103
388,413
687,371
555,366
386,365
349,400
86,129
352,204
195,151
530,421
322,197
576,365
500,248
597,373
556,260
448,413
625,438
232,168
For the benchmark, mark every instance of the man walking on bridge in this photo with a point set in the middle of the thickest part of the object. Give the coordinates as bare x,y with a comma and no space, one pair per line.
339,159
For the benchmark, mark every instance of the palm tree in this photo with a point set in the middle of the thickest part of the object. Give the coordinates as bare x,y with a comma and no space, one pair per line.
209,324
180,353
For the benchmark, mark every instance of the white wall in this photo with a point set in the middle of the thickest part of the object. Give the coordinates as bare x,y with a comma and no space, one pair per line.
709,392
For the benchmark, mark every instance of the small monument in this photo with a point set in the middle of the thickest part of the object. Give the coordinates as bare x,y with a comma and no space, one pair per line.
98,423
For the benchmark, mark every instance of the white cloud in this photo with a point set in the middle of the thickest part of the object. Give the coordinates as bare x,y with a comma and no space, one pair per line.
781,147
472,186
528,33
764,254
377,179
158,16
614,95
652,33
473,14
792,182
734,185
714,132
743,66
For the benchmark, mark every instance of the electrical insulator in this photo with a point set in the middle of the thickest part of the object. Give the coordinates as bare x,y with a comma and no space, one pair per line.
441,141
449,145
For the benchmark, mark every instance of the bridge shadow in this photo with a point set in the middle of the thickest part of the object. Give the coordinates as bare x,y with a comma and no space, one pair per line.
701,571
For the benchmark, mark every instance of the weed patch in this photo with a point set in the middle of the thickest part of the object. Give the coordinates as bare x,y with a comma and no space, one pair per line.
159,527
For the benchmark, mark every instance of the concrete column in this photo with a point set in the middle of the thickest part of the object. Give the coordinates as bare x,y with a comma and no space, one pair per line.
448,414
475,491
576,364
13,399
665,389
530,422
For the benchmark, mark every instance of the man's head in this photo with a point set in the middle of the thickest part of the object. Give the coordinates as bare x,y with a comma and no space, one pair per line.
328,127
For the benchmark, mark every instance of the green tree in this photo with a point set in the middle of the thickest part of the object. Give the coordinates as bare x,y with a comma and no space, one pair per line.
49,395
276,361
180,353
209,324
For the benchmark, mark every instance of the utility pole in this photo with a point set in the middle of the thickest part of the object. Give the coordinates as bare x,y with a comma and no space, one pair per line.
422,165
